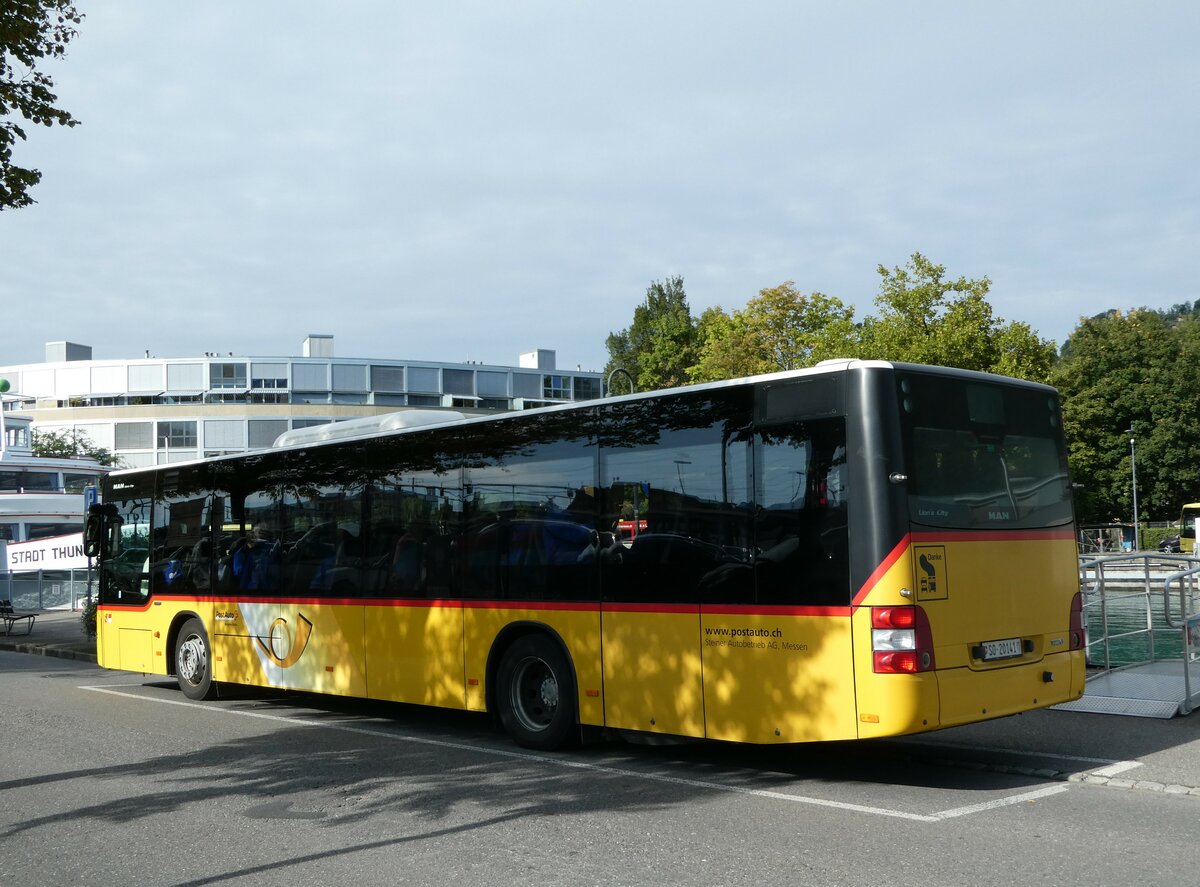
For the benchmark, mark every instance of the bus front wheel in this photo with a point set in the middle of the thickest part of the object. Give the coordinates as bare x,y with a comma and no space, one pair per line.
193,661
536,694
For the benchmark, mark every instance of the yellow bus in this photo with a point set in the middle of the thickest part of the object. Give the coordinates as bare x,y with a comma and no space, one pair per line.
855,550
1187,527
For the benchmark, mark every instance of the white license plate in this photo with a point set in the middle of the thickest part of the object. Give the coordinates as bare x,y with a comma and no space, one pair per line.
1005,649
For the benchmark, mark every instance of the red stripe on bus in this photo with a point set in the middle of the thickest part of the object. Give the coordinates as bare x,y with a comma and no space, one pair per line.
888,562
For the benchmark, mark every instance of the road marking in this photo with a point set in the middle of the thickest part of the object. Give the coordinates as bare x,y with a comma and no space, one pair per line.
1118,767
1020,752
1027,797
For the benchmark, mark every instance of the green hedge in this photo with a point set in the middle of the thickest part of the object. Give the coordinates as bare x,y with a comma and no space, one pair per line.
1151,536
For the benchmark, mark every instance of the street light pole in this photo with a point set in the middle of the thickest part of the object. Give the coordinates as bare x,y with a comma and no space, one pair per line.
1133,465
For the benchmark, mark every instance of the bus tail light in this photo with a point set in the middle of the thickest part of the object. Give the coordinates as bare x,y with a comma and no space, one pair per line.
1078,639
901,640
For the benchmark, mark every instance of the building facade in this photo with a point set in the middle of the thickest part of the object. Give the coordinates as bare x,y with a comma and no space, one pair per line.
155,410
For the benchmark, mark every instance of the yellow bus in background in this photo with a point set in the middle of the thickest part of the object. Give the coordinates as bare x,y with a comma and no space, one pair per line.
856,550
1187,527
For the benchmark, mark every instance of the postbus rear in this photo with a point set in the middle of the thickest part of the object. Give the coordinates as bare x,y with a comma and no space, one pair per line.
972,607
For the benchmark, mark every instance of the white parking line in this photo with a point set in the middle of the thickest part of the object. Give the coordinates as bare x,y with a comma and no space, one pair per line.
1021,752
1118,767
608,771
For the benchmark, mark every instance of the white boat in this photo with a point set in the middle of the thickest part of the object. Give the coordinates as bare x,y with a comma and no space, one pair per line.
39,497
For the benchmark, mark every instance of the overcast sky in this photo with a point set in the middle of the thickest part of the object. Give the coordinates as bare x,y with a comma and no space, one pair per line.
467,181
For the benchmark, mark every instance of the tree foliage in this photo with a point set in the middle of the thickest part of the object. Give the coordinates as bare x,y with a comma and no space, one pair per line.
923,317
660,345
779,329
926,318
30,32
1138,370
72,444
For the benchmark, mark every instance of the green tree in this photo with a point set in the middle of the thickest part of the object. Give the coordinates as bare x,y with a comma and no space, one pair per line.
1137,370
660,344
73,444
779,329
924,317
30,32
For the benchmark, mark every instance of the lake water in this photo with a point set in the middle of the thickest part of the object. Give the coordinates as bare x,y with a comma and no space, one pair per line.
1129,642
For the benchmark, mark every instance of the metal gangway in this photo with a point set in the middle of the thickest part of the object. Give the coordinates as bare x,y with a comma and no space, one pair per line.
1141,614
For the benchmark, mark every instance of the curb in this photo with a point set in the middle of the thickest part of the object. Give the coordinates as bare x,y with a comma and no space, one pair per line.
59,652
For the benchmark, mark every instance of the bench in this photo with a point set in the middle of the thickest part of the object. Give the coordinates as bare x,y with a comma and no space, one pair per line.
11,617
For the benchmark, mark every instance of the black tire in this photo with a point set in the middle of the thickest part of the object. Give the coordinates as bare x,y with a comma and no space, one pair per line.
193,661
535,694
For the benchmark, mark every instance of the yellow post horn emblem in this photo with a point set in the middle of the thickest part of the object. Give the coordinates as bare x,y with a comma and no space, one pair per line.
294,647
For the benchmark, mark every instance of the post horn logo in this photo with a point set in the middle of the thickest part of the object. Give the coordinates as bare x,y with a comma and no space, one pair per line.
281,647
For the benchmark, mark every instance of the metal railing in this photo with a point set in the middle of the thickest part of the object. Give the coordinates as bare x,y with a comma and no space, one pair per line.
47,589
1139,609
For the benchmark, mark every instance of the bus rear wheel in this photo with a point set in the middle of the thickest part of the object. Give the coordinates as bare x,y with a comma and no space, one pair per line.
193,661
536,694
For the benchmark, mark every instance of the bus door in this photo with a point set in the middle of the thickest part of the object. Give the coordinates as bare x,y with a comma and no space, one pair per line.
650,624
668,469
1187,528
776,626
320,553
123,634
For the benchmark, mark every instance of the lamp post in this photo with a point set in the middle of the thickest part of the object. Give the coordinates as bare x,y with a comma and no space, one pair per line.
1133,465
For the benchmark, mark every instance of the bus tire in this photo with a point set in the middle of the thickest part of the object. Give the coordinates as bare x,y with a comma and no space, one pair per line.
536,694
193,661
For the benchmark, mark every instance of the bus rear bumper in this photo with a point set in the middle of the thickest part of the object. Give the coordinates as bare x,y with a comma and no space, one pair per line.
967,696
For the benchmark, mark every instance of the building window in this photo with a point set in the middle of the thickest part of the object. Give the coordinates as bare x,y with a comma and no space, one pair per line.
133,436
558,387
310,377
460,382
225,397
526,385
268,397
586,388
423,379
227,375
268,375
493,403
389,379
491,384
424,400
262,432
349,377
176,435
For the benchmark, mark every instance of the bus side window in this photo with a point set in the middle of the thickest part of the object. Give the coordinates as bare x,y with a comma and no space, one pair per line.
801,537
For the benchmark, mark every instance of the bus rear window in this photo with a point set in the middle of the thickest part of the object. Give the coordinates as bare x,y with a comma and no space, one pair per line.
983,455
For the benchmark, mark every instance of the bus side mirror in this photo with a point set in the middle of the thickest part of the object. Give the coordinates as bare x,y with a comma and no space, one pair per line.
92,531
102,519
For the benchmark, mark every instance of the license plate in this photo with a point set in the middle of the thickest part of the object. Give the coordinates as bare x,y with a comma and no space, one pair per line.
1005,649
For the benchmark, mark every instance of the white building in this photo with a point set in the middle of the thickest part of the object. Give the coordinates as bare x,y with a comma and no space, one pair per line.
152,410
